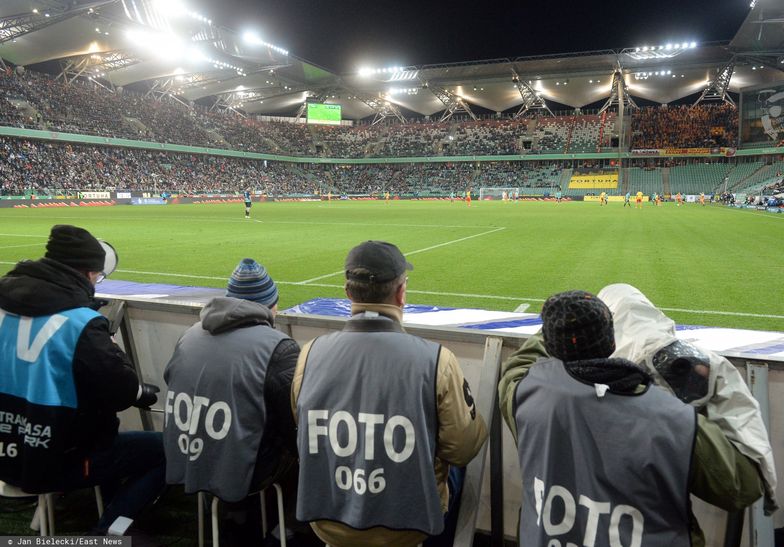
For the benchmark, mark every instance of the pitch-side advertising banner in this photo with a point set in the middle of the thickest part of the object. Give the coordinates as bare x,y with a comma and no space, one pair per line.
95,195
606,180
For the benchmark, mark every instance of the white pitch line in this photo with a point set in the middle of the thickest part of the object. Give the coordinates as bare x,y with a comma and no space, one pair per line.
461,295
164,274
23,235
25,245
764,214
305,222
364,224
732,313
319,278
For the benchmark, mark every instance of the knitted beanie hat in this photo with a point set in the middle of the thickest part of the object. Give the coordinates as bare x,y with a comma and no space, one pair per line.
75,247
250,281
577,326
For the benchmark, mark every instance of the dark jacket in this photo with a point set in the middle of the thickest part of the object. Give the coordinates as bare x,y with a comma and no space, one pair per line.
104,377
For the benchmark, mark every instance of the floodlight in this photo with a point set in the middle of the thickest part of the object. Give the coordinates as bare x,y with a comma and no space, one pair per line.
677,46
668,47
693,45
645,48
685,45
171,7
364,71
251,37
35,10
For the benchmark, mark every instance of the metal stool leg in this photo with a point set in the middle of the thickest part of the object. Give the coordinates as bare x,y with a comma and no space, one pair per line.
41,516
264,527
50,513
281,517
200,502
99,500
214,511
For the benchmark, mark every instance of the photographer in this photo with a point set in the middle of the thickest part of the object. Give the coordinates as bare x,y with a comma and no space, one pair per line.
64,379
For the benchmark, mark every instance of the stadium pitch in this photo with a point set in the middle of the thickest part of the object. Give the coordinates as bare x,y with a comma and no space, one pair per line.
708,265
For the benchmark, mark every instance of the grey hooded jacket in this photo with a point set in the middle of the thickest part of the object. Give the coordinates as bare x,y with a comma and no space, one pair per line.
228,422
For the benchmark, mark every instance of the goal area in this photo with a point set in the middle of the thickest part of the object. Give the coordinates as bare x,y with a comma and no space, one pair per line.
497,192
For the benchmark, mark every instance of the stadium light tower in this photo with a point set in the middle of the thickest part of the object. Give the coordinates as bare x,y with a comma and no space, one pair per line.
14,26
717,88
91,63
453,102
531,100
383,108
619,93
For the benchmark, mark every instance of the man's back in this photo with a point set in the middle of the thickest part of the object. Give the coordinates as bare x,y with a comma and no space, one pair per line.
216,414
620,459
459,435
383,394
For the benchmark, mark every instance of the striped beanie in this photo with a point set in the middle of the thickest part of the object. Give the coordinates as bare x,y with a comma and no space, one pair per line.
250,281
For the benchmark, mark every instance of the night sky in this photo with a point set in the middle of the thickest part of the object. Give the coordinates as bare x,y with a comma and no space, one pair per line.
343,35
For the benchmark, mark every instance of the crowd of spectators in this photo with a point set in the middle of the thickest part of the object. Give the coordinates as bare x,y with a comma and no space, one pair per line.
700,126
35,100
414,139
515,174
487,138
345,142
41,168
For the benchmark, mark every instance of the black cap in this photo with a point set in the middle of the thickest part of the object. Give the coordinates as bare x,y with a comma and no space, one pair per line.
75,247
577,326
381,262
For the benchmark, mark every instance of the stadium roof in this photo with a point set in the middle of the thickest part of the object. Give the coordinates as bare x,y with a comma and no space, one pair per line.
160,44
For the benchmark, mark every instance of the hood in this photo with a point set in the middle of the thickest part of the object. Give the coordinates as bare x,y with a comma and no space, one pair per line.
43,287
224,313
641,330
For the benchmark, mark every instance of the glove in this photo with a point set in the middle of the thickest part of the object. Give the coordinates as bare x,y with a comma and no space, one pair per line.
147,396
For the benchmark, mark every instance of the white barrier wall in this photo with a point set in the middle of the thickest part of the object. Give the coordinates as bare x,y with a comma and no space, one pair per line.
149,331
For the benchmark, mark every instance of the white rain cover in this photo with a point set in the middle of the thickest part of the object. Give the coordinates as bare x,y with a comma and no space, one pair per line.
110,262
641,330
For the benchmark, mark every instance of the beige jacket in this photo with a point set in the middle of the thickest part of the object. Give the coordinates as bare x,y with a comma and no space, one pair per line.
459,439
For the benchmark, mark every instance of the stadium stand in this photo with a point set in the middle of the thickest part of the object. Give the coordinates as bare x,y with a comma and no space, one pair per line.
645,180
766,176
35,100
551,134
418,139
487,138
685,126
339,142
739,173
694,178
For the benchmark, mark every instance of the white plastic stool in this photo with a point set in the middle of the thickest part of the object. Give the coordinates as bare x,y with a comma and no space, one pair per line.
43,519
214,517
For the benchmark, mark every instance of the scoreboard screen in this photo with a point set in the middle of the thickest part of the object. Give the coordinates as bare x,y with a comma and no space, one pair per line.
329,114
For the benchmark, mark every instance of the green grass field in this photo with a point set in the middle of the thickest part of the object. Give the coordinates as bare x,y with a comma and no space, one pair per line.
703,265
